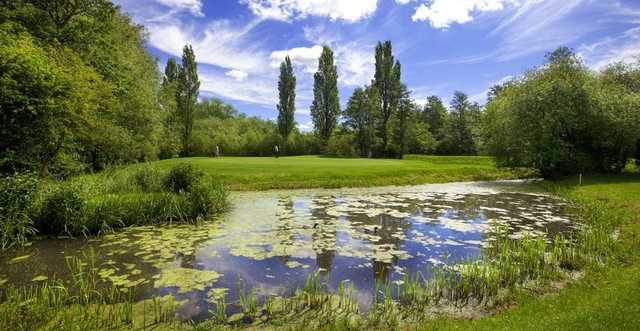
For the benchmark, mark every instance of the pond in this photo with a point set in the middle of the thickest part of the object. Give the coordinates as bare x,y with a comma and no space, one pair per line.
270,241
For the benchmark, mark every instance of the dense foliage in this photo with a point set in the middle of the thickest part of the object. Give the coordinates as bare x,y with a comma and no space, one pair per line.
325,108
72,101
563,118
98,203
287,98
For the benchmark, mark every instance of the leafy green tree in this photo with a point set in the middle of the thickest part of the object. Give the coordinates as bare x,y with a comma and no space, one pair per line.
458,139
287,98
325,108
563,119
435,115
387,82
403,121
362,111
187,95
170,72
170,141
33,90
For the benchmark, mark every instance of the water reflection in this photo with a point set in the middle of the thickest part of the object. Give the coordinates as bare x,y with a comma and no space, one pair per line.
271,241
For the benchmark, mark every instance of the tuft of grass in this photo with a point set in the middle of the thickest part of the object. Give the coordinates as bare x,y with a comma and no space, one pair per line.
101,203
17,197
81,306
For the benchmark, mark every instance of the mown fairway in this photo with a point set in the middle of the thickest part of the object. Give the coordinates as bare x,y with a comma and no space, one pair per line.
259,173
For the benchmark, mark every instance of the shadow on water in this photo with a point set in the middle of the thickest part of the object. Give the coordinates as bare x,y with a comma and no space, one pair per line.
271,241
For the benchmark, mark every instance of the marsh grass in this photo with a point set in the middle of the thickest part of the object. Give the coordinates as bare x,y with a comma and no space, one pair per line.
506,268
102,203
82,305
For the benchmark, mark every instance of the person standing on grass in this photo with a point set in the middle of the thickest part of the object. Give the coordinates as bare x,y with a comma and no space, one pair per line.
276,150
217,152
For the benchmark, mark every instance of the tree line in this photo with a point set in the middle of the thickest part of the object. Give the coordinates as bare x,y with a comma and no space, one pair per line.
381,119
72,102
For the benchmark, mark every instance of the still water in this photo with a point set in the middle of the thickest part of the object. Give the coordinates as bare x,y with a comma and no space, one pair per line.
270,241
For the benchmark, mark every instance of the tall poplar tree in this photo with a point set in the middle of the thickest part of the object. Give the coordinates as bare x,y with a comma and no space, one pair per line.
325,108
387,82
402,120
287,98
187,96
170,72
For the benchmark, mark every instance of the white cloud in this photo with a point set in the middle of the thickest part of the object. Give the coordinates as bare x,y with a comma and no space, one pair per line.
193,6
305,127
305,57
541,26
355,63
218,44
286,10
622,48
237,74
442,13
482,96
258,90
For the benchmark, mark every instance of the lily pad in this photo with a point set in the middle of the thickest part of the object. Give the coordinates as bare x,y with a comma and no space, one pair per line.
20,259
186,280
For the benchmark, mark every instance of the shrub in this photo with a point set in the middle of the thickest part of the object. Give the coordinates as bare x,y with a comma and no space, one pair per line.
17,194
147,179
342,145
62,212
206,199
181,178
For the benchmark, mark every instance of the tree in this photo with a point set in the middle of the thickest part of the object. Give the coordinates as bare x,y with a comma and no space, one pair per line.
563,119
325,108
287,98
402,123
170,72
459,138
187,95
360,116
435,115
387,82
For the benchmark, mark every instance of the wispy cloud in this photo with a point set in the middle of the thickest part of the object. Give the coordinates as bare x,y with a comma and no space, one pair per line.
539,25
621,48
286,10
481,97
441,14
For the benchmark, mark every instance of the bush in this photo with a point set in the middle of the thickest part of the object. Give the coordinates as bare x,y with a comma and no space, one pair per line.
342,145
206,198
563,119
62,212
17,194
147,179
181,178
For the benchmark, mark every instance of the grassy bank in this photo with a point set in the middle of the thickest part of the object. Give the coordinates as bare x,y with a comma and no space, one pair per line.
606,298
96,204
525,276
261,173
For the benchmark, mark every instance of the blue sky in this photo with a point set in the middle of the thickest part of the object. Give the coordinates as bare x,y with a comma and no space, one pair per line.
443,45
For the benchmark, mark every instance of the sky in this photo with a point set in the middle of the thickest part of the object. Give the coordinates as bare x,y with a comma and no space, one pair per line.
443,45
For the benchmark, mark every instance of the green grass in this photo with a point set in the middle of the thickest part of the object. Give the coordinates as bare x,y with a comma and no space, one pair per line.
261,173
606,298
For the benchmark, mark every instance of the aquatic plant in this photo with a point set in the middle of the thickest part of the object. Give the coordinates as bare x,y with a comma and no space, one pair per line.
83,306
17,195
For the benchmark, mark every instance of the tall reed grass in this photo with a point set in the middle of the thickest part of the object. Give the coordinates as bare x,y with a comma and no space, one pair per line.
103,202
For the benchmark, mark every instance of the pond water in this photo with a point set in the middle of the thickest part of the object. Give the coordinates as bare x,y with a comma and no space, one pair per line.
272,240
